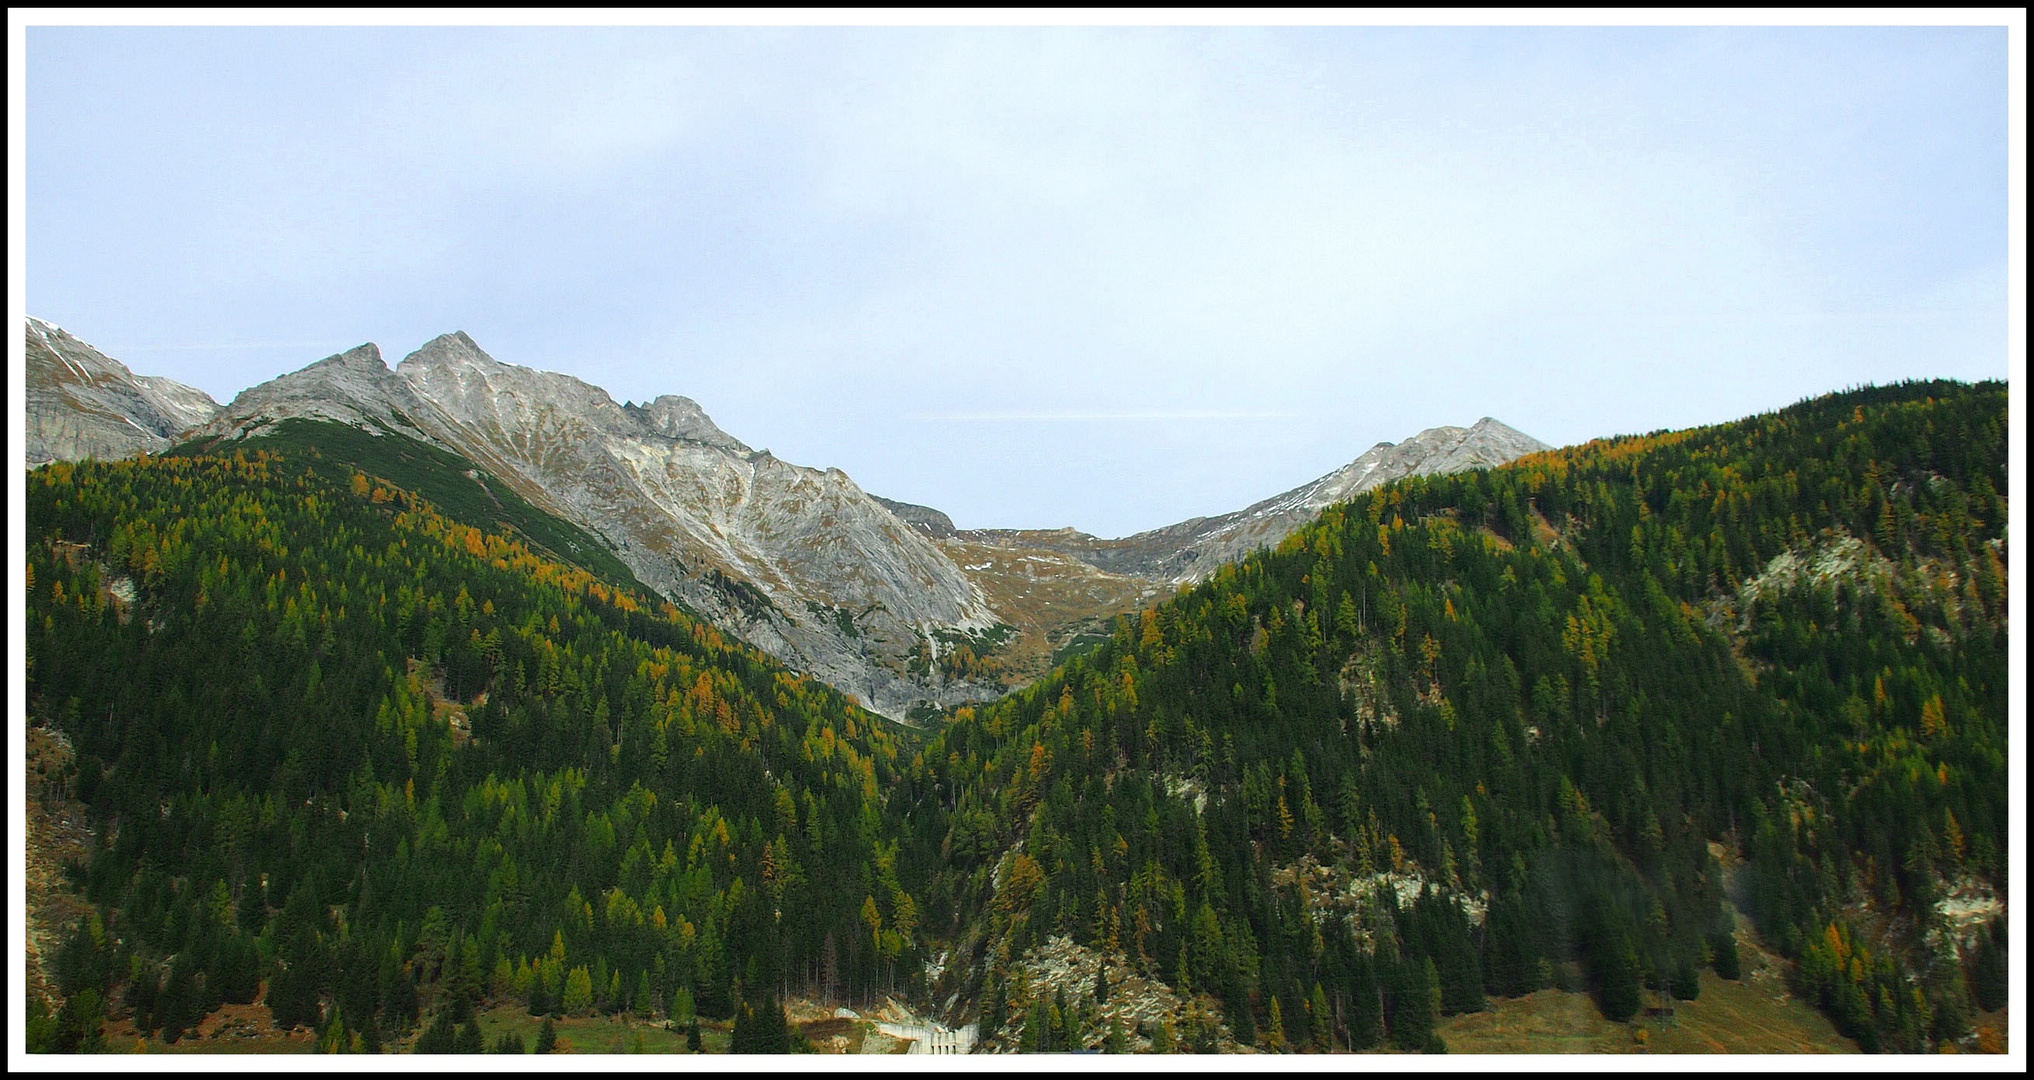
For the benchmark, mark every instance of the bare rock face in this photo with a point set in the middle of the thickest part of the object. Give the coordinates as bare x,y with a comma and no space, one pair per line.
84,404
799,562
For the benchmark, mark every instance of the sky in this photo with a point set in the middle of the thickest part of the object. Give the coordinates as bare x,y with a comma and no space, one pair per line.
1034,277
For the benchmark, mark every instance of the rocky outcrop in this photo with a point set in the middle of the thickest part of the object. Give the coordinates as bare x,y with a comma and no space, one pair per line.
923,518
1112,992
84,404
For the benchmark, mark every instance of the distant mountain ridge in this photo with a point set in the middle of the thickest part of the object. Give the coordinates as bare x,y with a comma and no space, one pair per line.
1191,550
1059,588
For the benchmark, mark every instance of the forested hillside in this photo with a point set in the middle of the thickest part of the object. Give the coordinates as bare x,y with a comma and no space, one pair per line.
379,762
1474,734
454,486
392,765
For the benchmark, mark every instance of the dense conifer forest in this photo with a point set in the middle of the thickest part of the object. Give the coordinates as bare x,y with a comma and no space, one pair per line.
1464,736
1534,695
393,766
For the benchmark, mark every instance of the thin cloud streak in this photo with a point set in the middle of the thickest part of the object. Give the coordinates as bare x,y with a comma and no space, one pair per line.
1050,418
205,347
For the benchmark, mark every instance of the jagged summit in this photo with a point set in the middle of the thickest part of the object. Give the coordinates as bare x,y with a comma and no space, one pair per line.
354,387
462,378
447,355
365,357
1436,450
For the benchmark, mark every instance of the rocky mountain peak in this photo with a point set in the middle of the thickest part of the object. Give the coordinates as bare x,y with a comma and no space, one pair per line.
1501,436
448,366
677,417
355,387
365,357
832,583
358,370
495,399
447,352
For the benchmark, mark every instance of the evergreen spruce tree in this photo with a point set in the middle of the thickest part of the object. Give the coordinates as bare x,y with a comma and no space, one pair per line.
371,1041
1988,969
1037,1034
1619,992
1320,1021
41,1032
1687,981
1409,1002
760,1027
1274,1031
1365,1012
80,1024
1724,947
440,1036
1163,1040
742,1040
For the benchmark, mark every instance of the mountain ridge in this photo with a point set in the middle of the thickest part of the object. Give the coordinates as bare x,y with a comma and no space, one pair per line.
886,600
840,587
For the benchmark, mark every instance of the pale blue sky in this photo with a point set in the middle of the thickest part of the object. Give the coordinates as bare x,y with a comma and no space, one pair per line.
1090,277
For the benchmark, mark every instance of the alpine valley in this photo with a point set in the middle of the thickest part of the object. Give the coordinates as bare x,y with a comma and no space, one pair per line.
453,706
